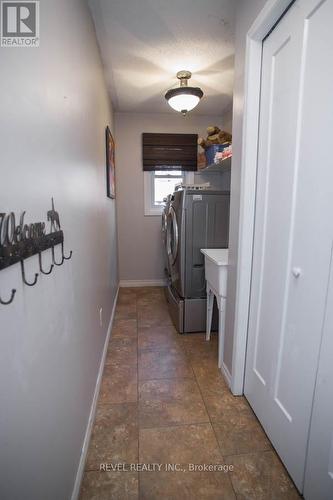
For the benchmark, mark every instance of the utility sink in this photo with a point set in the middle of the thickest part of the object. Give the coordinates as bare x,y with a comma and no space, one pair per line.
216,269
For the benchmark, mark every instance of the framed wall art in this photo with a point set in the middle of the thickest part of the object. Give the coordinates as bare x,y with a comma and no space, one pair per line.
110,165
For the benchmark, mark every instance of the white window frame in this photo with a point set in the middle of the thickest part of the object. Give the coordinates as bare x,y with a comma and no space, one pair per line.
149,208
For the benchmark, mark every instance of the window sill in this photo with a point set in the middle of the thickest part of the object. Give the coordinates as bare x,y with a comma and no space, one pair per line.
150,211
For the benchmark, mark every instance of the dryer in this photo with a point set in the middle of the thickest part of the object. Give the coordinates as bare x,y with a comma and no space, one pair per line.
195,220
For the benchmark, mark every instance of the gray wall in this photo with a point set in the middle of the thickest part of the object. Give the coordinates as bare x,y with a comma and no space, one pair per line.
140,247
54,108
247,11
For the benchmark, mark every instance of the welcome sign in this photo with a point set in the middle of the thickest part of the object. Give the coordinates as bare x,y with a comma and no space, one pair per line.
20,240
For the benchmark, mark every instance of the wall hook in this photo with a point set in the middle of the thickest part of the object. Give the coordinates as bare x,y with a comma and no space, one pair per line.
54,261
7,302
23,276
41,267
62,251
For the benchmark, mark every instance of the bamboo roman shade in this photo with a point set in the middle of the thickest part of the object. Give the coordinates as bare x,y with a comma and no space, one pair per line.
169,151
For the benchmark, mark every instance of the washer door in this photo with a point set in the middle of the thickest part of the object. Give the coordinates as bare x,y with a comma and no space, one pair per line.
172,236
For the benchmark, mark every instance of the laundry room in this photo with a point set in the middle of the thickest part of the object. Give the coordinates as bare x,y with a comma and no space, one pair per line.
139,214
166,285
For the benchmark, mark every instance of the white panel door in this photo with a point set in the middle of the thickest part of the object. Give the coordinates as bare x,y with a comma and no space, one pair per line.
293,227
319,465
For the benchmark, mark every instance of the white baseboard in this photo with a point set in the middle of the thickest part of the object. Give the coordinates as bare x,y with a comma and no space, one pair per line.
137,283
226,374
84,451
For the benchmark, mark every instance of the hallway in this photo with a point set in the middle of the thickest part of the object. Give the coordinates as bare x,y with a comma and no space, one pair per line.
164,401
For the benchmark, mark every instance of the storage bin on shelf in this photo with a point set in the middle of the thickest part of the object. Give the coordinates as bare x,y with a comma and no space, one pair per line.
217,152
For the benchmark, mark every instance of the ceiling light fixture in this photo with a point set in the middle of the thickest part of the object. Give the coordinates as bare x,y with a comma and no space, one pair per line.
184,98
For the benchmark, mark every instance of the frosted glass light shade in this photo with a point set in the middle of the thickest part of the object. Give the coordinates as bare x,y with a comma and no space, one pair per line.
184,102
184,99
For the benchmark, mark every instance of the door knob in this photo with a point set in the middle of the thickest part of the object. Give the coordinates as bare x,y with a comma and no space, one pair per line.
297,272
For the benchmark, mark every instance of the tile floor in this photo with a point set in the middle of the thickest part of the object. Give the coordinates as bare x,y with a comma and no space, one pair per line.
163,401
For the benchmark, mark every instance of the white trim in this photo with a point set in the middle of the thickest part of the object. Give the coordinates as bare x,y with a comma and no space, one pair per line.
148,196
148,190
226,374
267,18
86,441
138,283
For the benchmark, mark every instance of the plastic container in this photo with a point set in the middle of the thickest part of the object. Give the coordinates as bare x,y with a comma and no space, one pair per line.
212,150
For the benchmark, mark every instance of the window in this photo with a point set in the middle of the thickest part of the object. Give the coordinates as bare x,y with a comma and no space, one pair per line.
165,182
158,185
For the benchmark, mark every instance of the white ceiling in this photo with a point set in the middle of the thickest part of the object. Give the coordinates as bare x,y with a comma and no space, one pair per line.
145,42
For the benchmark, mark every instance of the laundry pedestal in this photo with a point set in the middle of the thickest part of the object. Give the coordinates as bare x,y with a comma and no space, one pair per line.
216,269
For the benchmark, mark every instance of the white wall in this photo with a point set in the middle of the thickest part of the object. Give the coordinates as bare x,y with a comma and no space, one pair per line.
54,109
246,13
139,236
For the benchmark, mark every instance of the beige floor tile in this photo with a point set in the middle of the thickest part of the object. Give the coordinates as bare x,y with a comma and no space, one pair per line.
184,444
167,402
185,486
261,476
122,350
126,310
198,349
110,486
124,328
209,376
151,299
119,384
128,291
127,299
149,291
153,315
151,303
153,308
115,436
172,416
158,338
191,338
170,363
239,433
218,403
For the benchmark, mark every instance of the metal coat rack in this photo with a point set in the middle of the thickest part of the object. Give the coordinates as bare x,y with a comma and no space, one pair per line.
21,241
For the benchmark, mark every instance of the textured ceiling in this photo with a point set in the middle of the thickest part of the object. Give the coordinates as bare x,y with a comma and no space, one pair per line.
145,42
